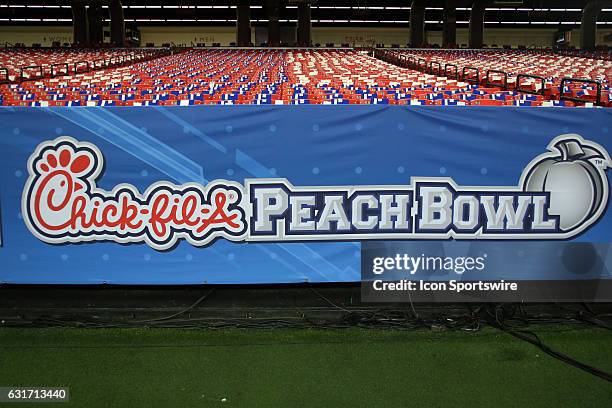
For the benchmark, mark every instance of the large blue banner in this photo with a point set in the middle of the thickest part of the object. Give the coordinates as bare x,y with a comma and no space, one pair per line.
254,194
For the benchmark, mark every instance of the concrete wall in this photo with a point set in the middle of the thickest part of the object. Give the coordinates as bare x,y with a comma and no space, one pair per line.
188,35
533,37
366,36
30,35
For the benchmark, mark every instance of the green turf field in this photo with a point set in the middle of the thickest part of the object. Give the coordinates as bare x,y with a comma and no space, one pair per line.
307,368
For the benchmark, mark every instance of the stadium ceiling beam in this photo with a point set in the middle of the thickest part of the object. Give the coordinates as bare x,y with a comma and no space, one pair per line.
449,24
243,23
588,23
476,30
304,27
117,23
273,10
417,23
95,22
79,23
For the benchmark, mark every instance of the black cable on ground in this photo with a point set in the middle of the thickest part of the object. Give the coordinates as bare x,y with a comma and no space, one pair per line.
187,309
532,338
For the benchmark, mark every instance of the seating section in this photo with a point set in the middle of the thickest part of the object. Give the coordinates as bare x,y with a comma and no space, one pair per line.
258,76
33,63
551,67
352,77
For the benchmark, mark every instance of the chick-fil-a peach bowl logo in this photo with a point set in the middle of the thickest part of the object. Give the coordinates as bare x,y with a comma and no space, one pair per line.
560,194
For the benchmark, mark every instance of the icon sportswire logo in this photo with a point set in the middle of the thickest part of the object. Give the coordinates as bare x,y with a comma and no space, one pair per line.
560,194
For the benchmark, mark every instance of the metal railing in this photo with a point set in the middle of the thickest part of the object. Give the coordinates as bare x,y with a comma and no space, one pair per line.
39,68
424,64
517,85
488,81
80,64
455,75
6,76
470,79
54,72
563,97
431,67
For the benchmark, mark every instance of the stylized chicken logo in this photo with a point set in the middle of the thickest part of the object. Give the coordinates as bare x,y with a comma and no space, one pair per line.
59,173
